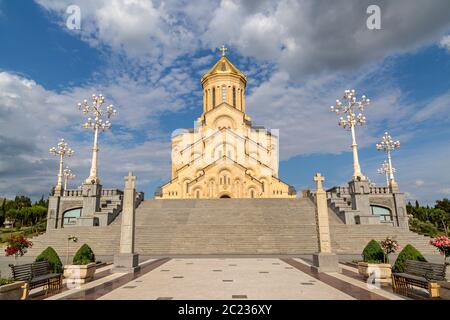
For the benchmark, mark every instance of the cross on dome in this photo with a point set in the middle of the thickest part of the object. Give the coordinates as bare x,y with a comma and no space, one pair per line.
223,49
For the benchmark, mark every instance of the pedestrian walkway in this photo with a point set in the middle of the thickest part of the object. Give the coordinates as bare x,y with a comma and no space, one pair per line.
226,279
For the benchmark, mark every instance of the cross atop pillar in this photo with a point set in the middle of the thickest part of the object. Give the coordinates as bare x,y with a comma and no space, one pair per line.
223,49
318,178
130,181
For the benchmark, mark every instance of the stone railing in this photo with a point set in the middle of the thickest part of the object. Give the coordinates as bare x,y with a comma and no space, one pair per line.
73,193
338,192
111,192
379,190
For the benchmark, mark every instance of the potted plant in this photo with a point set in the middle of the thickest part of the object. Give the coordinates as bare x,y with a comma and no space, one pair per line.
83,268
443,245
17,246
373,263
12,290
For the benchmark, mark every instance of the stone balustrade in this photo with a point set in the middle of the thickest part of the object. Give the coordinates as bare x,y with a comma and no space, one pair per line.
379,190
73,193
111,192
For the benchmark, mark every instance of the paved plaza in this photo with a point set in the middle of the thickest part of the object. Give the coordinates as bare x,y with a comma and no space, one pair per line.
226,279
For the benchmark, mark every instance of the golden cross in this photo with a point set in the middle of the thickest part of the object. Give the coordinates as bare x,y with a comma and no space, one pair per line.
223,49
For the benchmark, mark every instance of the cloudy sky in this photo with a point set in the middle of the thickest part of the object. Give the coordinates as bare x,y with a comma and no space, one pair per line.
147,58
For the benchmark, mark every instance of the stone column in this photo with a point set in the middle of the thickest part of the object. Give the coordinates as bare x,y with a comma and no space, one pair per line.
91,203
324,260
359,192
53,212
126,260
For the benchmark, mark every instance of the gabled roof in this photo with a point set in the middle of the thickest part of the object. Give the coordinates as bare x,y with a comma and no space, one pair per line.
223,66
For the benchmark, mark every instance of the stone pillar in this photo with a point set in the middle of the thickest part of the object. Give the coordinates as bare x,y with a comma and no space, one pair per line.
359,192
324,260
91,203
126,260
53,212
400,215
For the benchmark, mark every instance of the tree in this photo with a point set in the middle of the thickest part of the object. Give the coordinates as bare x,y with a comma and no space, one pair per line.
42,202
22,202
443,204
441,219
417,204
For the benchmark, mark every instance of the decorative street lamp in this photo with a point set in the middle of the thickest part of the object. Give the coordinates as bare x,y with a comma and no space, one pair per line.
385,170
99,122
67,176
388,145
61,150
351,121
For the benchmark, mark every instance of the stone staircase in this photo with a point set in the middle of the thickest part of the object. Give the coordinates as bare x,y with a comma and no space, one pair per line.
225,226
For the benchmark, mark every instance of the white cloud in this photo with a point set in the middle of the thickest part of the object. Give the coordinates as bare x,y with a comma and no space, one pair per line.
33,119
445,42
302,37
419,183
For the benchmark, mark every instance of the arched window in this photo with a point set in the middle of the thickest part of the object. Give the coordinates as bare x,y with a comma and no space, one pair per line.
234,96
224,93
382,212
213,97
252,193
197,194
206,99
71,217
242,105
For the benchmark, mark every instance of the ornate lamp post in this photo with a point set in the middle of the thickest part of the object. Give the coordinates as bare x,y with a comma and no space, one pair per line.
351,121
385,170
61,150
388,145
99,122
67,176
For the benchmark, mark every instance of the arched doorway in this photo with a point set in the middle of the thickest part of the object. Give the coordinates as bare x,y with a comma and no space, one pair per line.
225,196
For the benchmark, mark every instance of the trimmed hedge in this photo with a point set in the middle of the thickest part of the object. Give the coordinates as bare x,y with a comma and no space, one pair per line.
52,257
84,255
373,253
408,253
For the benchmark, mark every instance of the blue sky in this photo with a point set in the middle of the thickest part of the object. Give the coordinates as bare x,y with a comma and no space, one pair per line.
148,57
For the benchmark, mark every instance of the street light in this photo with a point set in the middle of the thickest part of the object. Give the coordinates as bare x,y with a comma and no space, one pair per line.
67,176
388,145
384,169
61,150
350,121
100,121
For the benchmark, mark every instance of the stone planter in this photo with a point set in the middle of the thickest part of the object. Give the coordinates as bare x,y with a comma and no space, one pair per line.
12,291
381,271
79,273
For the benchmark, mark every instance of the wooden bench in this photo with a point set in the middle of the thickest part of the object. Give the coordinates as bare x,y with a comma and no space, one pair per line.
419,274
37,274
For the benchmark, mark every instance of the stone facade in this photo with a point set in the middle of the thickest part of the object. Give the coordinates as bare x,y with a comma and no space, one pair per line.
224,156
361,203
98,206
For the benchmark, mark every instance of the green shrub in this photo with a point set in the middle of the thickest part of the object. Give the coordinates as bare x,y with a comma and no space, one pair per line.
52,257
423,227
373,253
4,282
408,253
84,255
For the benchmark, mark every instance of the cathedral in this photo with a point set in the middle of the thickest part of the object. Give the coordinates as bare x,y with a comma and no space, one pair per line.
224,156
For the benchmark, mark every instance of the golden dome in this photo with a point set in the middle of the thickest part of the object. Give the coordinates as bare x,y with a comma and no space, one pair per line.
224,67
